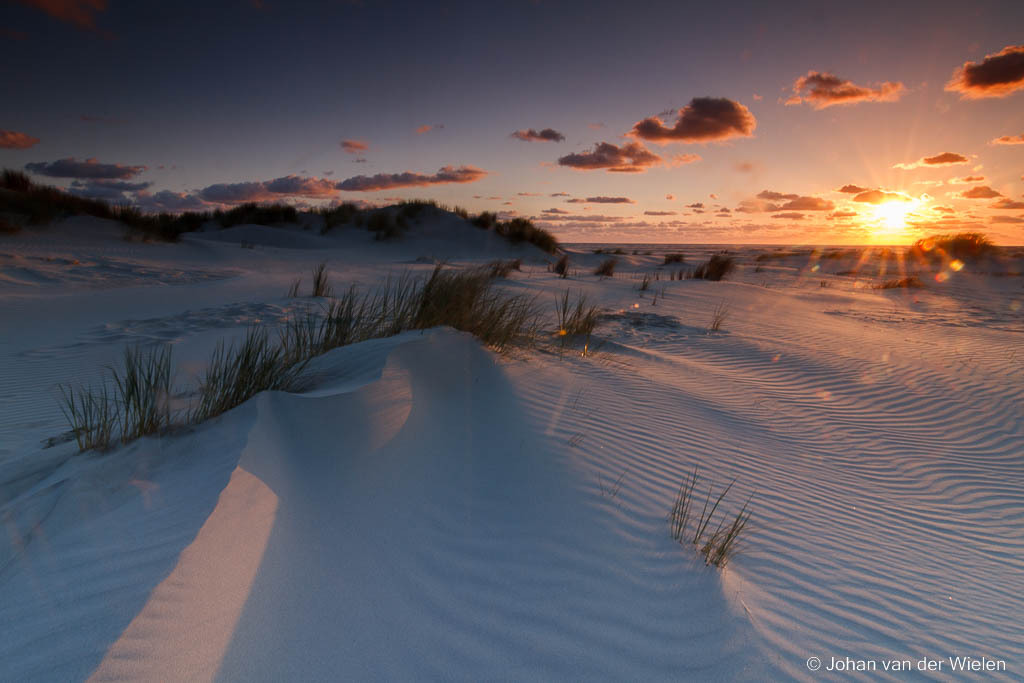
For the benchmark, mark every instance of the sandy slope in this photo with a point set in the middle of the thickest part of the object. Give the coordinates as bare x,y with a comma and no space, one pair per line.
429,510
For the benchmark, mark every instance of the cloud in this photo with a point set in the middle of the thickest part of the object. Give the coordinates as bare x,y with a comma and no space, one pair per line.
670,197
118,185
384,181
745,167
596,218
820,90
78,12
809,204
90,168
997,75
966,179
704,119
12,139
528,194
695,205
769,200
426,128
659,213
944,159
559,194
791,216
1008,140
682,159
1006,219
354,146
165,200
1008,203
301,186
610,200
980,192
632,157
234,193
880,197
842,214
531,135
554,211
852,189
775,196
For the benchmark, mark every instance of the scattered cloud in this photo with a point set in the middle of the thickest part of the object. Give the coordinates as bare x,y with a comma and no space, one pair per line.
173,202
790,215
301,186
842,214
354,146
659,213
554,211
531,135
114,185
12,139
632,157
944,159
670,197
820,90
90,168
1008,203
1008,140
704,119
852,189
980,192
966,179
880,197
384,181
81,13
559,194
745,167
682,159
426,128
234,193
1006,219
695,205
610,200
997,75
809,204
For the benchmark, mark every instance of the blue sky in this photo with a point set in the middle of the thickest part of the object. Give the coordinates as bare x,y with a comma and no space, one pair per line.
232,92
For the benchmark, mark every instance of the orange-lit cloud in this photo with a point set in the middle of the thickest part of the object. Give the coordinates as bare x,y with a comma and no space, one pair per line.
881,197
966,179
426,128
820,90
90,168
980,192
354,146
632,157
609,200
383,181
683,159
1006,219
559,194
944,159
997,75
769,200
1008,203
704,119
531,135
852,189
555,211
790,216
842,214
659,213
79,12
12,139
1008,140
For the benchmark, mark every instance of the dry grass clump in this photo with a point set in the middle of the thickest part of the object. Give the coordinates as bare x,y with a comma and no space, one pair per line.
719,316
522,230
485,220
715,268
342,214
575,319
261,214
910,282
321,284
674,258
966,246
561,267
606,268
386,225
717,546
502,269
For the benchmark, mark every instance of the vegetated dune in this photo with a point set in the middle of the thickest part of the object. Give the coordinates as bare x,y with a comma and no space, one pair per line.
425,508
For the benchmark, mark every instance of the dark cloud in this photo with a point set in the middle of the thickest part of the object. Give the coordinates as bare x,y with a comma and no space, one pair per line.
997,75
610,200
944,159
12,139
354,146
880,197
842,214
528,194
1008,203
90,168
790,216
629,158
1006,219
704,119
576,200
559,194
531,135
967,179
596,218
171,202
980,192
301,186
384,181
852,189
1009,140
822,90
78,12
775,196
695,205
554,211
117,185
234,193
659,213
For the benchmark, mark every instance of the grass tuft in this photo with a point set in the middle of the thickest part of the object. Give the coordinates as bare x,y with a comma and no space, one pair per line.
321,285
719,316
607,268
715,268
717,546
673,258
575,319
966,246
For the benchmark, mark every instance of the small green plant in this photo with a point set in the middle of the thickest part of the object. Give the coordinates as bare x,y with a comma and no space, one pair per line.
717,546
91,415
607,268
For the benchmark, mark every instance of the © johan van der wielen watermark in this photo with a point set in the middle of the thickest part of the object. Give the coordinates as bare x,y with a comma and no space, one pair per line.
950,664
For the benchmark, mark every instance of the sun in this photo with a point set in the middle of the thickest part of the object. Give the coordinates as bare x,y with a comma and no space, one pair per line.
892,216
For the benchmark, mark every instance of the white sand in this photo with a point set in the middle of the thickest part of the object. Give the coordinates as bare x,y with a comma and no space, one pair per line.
431,510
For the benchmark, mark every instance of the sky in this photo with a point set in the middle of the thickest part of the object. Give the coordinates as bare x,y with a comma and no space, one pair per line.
740,122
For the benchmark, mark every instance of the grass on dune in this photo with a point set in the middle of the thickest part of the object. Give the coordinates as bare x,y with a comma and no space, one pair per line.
606,268
575,319
966,246
715,268
137,400
716,542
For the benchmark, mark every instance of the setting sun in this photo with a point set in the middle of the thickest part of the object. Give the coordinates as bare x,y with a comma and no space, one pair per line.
892,216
